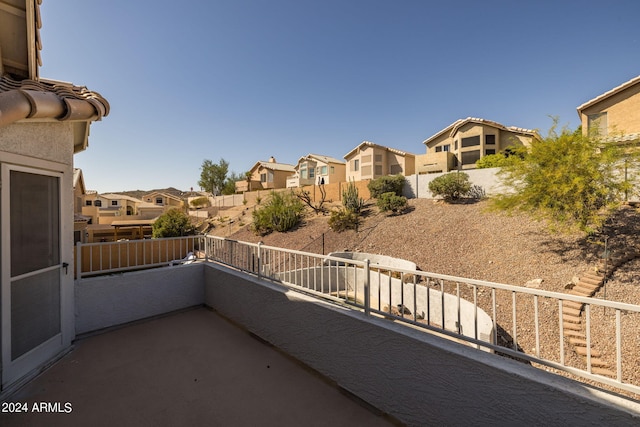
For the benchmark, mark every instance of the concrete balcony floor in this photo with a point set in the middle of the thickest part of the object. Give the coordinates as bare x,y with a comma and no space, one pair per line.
190,368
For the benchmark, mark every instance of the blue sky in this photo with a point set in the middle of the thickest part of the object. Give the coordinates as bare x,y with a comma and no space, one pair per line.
247,79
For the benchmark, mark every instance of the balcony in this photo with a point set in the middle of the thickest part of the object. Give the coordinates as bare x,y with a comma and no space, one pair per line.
332,315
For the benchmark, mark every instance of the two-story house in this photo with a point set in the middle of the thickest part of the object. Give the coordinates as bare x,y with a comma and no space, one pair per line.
315,169
465,141
614,115
42,124
266,175
369,161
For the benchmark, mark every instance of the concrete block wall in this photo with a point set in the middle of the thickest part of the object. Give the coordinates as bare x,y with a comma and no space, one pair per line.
417,186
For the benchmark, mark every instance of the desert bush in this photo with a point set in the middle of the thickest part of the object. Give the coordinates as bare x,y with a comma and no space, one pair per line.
200,202
344,219
351,199
451,186
281,212
390,202
386,184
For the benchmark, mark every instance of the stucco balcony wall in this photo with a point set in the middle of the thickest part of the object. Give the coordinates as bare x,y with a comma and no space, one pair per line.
418,378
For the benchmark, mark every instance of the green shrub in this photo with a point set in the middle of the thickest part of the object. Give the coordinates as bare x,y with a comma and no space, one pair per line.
351,200
200,202
282,212
173,223
507,157
390,202
386,184
344,219
451,186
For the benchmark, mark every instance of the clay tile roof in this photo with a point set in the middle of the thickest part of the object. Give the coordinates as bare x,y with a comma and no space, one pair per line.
31,99
373,144
609,93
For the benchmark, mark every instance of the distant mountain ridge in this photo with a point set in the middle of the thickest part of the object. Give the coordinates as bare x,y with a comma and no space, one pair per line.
139,194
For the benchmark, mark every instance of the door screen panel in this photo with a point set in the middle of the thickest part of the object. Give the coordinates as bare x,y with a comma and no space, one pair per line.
35,222
35,259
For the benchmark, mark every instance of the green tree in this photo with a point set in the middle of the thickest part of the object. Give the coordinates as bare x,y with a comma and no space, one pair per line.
570,179
213,176
391,202
451,186
229,186
173,223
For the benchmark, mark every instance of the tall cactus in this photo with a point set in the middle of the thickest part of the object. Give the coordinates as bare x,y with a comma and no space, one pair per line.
351,200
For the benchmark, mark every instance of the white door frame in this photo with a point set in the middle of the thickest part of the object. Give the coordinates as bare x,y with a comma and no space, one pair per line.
30,362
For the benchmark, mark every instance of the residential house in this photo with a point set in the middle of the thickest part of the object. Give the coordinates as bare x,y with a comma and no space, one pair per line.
163,199
266,175
80,221
615,114
42,124
462,143
315,169
369,161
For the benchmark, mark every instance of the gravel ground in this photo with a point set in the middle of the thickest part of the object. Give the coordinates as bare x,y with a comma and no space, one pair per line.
469,240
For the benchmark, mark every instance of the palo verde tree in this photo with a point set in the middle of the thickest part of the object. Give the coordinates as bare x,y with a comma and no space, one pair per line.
213,176
575,181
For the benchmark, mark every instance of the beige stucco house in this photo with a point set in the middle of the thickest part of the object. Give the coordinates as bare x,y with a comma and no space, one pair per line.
462,143
615,114
166,200
369,161
266,175
314,169
42,124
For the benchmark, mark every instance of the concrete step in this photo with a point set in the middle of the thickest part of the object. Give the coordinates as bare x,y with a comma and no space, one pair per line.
579,342
583,292
573,333
590,280
596,362
568,311
603,371
569,318
582,351
572,304
571,326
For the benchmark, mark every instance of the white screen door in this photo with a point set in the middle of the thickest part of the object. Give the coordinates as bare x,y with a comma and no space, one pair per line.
31,269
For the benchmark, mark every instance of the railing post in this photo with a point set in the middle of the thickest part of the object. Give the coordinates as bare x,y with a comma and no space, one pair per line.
259,260
367,294
78,261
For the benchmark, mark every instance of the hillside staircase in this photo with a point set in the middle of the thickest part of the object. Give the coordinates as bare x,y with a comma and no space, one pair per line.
588,285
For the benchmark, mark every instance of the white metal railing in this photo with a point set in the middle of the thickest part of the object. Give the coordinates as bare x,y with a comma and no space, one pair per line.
516,321
93,259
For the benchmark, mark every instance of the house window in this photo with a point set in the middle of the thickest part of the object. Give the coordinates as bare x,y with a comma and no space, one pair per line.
471,141
303,174
355,165
98,203
312,173
395,169
129,210
332,170
455,144
114,203
490,140
489,152
378,169
263,177
88,202
366,159
158,200
470,157
323,170
446,147
597,123
378,157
